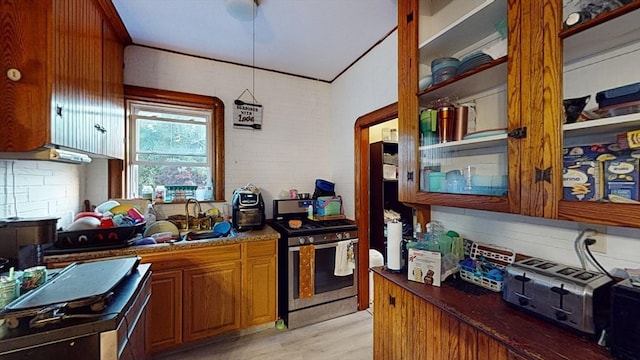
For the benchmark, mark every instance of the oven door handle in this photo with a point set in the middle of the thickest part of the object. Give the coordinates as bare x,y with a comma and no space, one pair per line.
321,246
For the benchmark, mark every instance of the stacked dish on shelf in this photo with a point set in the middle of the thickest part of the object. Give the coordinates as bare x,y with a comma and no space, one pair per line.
473,61
443,69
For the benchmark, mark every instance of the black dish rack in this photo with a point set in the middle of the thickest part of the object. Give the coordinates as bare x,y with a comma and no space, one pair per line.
118,236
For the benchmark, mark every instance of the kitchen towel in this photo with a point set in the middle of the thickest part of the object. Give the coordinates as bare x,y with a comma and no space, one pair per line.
343,266
306,271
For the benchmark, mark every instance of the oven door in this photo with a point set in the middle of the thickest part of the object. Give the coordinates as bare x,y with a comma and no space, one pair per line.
327,286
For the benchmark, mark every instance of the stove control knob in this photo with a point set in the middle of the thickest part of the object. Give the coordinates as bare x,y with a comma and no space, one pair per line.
310,239
561,316
301,240
346,235
338,236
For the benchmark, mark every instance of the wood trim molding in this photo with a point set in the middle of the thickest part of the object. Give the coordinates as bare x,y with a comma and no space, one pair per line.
115,185
361,171
112,17
193,100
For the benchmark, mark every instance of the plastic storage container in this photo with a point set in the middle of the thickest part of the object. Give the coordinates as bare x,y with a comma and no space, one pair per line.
499,257
443,69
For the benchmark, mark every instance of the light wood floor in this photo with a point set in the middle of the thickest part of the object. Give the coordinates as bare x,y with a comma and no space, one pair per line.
347,337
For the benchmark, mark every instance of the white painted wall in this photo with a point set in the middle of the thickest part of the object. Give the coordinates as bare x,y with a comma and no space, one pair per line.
294,146
368,85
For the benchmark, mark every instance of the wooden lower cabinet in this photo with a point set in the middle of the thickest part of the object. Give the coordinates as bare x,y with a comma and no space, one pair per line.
211,300
407,327
165,329
259,283
204,292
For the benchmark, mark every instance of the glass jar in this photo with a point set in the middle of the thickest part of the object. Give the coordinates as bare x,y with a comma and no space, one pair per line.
147,192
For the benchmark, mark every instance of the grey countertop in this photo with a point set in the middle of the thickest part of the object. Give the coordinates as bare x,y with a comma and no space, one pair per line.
266,233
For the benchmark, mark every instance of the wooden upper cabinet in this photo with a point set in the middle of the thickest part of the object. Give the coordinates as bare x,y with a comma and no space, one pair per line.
68,67
600,54
113,120
435,170
521,92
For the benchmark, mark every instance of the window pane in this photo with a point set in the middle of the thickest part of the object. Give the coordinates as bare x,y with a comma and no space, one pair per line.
155,175
171,158
162,137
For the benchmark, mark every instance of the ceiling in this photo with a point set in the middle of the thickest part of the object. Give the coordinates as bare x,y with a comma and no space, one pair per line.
316,39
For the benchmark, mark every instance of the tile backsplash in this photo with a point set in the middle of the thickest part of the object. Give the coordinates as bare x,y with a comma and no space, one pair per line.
40,188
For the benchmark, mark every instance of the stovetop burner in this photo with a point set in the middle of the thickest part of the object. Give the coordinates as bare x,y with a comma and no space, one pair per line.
288,209
312,226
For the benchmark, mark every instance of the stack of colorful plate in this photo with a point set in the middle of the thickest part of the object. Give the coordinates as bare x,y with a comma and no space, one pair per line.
472,61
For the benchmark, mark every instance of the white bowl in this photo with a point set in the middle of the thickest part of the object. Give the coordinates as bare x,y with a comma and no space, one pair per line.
106,206
84,223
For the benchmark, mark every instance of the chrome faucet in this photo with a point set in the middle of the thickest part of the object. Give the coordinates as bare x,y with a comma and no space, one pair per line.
186,209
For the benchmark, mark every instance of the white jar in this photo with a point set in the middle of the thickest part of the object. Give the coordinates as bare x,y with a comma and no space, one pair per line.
161,191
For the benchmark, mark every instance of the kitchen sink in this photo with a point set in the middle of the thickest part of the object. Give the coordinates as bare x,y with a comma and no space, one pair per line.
207,235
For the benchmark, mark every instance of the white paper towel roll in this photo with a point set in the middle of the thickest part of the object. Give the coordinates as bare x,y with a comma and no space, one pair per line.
394,239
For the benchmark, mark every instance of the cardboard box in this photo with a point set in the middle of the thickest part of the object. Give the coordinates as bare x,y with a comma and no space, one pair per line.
424,266
629,140
621,178
582,180
595,152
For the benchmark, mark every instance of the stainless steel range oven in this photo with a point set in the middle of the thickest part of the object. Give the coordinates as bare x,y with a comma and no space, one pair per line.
317,265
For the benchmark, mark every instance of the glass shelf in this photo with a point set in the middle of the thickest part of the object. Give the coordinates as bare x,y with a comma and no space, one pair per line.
470,144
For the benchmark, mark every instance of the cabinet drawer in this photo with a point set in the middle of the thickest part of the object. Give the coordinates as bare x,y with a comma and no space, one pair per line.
260,248
185,258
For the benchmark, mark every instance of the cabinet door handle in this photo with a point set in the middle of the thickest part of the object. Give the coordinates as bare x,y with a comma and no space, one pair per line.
409,175
519,133
100,128
392,301
59,110
543,175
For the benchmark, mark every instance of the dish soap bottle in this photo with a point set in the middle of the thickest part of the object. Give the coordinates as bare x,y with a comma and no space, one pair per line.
208,190
310,212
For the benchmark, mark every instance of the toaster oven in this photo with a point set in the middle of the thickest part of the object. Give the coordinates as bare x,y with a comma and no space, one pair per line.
248,211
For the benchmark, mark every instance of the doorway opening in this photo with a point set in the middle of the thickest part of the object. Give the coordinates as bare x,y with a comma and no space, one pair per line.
363,198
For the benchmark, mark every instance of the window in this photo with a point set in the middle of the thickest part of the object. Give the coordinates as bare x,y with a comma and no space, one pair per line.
173,139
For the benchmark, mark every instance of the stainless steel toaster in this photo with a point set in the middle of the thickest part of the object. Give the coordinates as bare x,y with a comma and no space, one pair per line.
567,295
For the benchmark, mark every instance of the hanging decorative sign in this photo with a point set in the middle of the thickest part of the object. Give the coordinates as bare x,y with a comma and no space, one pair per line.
247,115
